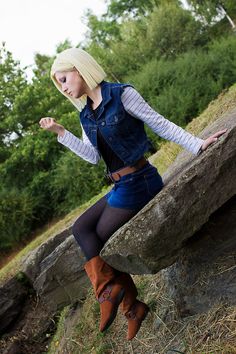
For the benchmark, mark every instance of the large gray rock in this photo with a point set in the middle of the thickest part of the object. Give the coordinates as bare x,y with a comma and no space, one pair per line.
205,272
13,294
56,271
195,187
31,263
62,280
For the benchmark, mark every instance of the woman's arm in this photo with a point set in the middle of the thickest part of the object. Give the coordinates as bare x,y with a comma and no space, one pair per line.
136,106
82,148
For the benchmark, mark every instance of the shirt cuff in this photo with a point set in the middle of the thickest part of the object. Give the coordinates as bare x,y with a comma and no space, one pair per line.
63,139
199,151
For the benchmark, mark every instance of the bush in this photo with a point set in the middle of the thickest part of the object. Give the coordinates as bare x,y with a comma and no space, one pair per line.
180,89
16,215
74,181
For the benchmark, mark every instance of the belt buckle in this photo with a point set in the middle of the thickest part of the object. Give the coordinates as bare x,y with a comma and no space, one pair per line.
111,177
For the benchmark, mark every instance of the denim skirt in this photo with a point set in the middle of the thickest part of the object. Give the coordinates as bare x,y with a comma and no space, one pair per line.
135,189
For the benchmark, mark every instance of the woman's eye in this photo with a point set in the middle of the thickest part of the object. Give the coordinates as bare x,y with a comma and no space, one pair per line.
63,80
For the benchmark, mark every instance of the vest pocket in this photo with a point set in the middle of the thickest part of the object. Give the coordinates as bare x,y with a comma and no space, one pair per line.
114,118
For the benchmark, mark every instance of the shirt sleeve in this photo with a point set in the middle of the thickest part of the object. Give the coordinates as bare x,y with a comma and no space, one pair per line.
83,148
135,105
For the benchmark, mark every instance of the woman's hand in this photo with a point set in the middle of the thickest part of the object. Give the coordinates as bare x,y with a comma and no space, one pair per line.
50,124
213,138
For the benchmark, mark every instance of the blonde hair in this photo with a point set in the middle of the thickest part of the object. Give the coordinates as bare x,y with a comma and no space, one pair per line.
89,69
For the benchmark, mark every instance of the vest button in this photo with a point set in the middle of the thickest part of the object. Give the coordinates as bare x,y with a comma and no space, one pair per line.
103,123
110,138
116,119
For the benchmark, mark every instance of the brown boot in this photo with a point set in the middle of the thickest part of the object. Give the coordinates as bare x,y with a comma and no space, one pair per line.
135,317
134,310
108,292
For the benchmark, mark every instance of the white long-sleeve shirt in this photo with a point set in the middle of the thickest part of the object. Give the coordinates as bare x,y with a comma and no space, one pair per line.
135,105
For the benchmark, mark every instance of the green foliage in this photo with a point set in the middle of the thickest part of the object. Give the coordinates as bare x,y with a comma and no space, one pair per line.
172,30
16,215
12,82
210,9
101,30
181,89
74,181
132,8
27,161
165,32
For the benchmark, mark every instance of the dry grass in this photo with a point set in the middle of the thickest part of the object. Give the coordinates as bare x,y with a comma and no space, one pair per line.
162,332
223,104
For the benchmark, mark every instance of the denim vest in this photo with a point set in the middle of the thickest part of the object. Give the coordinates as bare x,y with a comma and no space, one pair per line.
122,132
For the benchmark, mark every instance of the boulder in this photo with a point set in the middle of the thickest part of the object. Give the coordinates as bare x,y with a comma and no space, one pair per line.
31,263
13,294
62,280
195,187
57,273
204,275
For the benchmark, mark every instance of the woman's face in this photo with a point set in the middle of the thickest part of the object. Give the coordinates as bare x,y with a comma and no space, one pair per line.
71,82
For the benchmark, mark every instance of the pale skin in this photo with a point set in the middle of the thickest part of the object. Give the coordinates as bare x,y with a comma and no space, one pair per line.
74,85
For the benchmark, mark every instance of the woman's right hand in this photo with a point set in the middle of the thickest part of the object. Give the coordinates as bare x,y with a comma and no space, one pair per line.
50,124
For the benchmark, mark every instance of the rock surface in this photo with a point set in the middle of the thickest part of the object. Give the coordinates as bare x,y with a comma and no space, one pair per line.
58,276
195,187
31,264
12,297
204,275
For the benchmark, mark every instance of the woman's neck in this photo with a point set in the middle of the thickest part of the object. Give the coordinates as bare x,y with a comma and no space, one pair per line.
95,95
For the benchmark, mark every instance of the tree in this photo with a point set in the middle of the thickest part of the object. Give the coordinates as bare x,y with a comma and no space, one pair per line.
12,83
101,31
211,9
130,8
172,30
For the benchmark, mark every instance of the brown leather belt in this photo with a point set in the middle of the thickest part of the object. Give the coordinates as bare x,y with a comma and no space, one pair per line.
115,176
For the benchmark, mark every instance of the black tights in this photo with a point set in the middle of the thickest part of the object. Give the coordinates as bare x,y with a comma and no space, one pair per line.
94,227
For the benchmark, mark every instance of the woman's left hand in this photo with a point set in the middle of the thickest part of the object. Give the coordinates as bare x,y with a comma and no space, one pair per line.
213,138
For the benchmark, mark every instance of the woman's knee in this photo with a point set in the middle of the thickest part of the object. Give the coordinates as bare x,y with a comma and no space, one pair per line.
78,228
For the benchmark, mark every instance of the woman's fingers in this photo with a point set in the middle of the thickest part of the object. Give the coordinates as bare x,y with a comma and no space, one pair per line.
213,138
46,122
219,133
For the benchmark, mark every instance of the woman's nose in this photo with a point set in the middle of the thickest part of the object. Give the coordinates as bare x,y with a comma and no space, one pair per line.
64,88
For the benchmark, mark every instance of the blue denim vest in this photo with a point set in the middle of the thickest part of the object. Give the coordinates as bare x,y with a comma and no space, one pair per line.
122,132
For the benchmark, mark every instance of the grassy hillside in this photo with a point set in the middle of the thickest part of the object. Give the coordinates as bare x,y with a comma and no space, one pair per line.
213,332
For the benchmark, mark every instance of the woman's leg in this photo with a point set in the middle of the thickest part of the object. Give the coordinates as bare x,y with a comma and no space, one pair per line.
84,229
108,292
111,220
134,310
93,228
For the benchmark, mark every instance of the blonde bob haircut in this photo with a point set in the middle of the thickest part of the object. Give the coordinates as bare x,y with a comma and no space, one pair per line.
89,69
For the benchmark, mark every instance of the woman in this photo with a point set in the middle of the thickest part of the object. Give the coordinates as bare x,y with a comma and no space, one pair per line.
112,116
